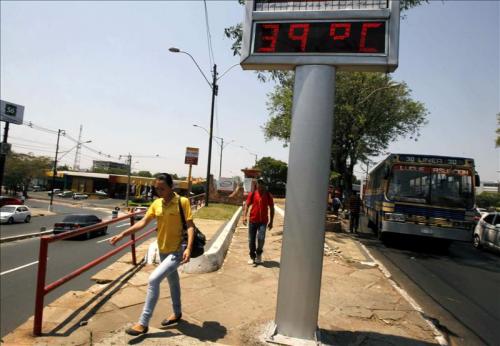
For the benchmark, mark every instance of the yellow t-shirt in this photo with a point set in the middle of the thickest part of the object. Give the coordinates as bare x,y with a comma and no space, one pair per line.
168,219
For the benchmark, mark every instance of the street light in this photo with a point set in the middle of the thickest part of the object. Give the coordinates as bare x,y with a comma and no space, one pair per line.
251,153
222,146
54,169
215,89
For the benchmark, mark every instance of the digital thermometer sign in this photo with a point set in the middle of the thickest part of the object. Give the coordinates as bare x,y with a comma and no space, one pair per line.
351,37
355,35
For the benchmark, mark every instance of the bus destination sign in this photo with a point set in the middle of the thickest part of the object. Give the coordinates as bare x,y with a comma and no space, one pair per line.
433,160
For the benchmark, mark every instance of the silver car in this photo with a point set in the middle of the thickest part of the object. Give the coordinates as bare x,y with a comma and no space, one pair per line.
487,231
14,213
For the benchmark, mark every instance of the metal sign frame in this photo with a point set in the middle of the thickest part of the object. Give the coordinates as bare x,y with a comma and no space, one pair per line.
343,61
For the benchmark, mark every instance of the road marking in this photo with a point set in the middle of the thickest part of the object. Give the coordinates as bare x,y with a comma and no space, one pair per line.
21,267
102,241
123,225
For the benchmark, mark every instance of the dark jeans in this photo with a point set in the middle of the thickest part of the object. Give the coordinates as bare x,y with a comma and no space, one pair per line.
353,221
256,232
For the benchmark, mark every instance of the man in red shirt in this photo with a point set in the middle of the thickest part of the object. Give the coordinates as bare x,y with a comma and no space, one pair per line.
260,201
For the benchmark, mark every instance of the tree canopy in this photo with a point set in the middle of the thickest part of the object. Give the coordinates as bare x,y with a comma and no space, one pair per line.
274,173
21,169
371,110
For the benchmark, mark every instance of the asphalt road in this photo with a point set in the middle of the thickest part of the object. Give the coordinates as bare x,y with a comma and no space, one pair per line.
459,288
18,267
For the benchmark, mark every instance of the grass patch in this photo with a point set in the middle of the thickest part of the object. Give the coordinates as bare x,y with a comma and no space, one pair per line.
216,211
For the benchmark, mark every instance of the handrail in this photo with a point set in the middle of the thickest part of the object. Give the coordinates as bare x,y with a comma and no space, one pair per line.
42,289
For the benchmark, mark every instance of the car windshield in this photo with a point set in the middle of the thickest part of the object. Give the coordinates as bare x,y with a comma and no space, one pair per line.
431,185
75,218
7,209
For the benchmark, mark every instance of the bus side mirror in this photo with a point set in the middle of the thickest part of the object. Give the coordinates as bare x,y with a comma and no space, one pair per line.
477,180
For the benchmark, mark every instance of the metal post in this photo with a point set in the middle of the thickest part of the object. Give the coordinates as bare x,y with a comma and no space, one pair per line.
214,92
220,163
132,246
307,189
54,170
128,180
40,286
190,182
3,156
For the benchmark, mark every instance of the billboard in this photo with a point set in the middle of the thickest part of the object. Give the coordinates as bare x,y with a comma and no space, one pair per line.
11,113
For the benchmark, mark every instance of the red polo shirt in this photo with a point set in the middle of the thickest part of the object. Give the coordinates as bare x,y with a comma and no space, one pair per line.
260,205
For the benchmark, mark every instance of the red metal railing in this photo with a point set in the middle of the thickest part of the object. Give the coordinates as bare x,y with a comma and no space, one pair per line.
42,289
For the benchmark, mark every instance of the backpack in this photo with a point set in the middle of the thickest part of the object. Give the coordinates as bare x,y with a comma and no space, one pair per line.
199,239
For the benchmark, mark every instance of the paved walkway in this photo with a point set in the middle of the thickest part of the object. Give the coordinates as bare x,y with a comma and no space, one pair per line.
232,306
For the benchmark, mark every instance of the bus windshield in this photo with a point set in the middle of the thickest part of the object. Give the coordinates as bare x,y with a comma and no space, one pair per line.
444,187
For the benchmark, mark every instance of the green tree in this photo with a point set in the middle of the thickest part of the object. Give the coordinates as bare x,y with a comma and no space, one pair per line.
274,173
21,169
370,112
146,174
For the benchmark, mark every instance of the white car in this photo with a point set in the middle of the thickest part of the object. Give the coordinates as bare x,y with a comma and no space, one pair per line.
14,213
80,196
487,231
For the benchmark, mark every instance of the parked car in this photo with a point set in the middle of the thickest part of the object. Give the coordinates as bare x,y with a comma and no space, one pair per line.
56,191
74,221
15,213
36,188
487,231
101,193
80,196
137,209
65,194
4,200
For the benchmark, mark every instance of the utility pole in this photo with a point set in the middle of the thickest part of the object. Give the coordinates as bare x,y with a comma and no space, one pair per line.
128,179
220,163
214,93
3,155
54,170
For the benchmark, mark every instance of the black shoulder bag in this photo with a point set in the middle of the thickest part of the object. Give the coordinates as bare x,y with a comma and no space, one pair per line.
199,239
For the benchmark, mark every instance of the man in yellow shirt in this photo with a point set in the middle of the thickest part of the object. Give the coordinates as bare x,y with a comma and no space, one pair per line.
172,252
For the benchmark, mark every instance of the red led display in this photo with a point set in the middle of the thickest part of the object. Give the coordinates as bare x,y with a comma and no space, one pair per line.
363,37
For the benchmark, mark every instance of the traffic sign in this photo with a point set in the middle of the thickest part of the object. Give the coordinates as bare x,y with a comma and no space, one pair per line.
11,112
191,156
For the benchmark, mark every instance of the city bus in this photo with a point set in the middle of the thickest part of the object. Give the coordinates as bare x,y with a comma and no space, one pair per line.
424,195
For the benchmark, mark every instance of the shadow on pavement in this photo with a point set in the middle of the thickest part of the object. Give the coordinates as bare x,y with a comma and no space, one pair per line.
346,338
271,264
102,297
209,331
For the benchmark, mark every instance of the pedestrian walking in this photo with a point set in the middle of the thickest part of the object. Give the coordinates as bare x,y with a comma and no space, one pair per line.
354,210
260,203
166,210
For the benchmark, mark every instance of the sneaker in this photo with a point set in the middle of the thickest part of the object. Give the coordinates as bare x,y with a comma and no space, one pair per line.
251,261
258,259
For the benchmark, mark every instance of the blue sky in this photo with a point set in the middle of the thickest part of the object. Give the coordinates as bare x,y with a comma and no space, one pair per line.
106,65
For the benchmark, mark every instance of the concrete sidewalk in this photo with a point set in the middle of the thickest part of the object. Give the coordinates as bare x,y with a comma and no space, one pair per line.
232,306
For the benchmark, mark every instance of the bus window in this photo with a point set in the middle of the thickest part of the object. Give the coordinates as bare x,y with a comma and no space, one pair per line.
452,190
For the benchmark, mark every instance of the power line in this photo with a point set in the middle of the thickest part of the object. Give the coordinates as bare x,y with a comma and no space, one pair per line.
209,36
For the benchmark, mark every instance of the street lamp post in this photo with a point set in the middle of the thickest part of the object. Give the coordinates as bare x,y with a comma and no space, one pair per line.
54,169
221,144
215,89
251,153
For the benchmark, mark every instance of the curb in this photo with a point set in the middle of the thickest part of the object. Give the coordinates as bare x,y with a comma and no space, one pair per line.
24,236
213,258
